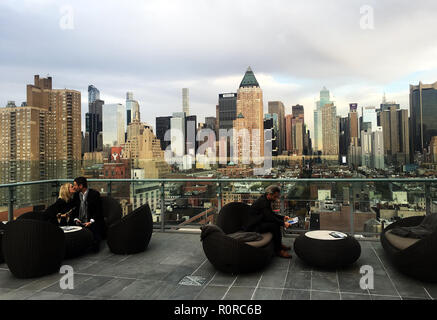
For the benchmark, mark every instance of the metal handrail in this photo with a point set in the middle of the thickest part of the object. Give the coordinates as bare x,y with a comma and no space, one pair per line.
220,180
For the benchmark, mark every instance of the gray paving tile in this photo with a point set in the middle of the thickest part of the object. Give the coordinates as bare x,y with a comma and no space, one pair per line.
74,297
378,297
279,263
383,286
354,296
248,279
8,280
4,291
177,274
83,288
164,291
138,290
77,281
408,287
326,281
43,295
207,270
239,293
413,298
318,295
223,279
300,265
212,293
298,280
350,282
185,293
432,289
43,282
17,295
289,294
273,278
267,294
110,288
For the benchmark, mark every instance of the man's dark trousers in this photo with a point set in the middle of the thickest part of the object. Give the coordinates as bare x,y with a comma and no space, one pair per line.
272,227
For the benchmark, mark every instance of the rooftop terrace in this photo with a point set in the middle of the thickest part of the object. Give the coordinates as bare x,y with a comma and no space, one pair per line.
156,274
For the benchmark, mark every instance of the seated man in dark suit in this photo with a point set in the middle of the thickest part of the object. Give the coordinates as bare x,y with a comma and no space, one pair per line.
262,219
88,210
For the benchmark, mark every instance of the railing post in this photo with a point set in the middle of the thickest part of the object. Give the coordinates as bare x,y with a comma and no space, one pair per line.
162,206
109,188
282,205
219,197
11,204
428,197
352,208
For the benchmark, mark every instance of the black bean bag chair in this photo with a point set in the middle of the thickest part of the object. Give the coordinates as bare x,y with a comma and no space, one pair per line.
132,233
33,248
32,215
112,212
414,257
230,255
327,254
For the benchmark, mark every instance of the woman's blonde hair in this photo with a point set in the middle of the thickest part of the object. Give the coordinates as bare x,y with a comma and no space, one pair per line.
64,192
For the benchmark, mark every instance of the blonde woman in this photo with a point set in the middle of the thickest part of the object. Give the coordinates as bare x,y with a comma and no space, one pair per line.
62,206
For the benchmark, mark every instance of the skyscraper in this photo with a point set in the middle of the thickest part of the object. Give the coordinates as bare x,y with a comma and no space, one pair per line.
344,138
93,94
191,143
298,129
423,113
289,132
227,110
144,149
41,141
93,123
277,107
395,127
378,148
366,148
114,124
370,120
162,126
271,123
330,129
318,118
353,124
186,101
178,134
132,108
250,118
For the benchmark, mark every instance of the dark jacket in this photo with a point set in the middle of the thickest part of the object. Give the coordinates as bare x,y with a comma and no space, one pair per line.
261,212
60,206
94,209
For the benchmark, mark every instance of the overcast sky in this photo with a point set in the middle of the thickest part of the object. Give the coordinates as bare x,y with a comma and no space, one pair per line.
155,48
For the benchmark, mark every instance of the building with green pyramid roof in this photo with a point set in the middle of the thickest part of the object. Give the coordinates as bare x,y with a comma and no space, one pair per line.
249,79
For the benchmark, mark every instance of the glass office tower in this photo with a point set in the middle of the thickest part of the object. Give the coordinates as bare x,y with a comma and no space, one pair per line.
423,115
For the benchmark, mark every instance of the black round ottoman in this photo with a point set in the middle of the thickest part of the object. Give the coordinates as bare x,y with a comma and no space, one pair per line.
320,249
77,241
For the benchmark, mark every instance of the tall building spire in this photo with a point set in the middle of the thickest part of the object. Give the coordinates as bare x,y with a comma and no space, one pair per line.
249,79
186,101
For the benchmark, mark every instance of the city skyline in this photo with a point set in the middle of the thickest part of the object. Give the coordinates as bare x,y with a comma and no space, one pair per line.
356,65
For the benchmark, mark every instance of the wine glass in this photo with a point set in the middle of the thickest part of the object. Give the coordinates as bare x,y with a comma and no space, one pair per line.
67,216
59,217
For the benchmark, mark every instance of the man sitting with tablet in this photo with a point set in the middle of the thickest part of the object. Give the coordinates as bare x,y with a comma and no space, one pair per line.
262,219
